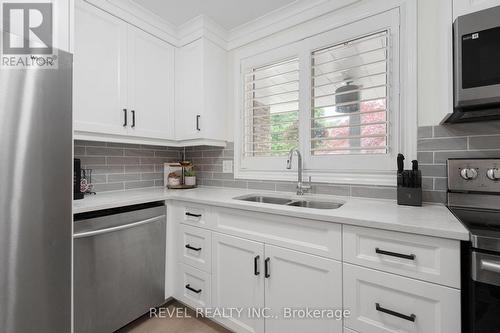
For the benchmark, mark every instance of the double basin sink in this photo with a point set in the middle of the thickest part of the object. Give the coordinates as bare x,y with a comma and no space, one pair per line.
305,203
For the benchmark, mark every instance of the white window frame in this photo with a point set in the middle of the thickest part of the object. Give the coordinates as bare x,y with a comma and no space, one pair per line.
267,58
399,18
386,21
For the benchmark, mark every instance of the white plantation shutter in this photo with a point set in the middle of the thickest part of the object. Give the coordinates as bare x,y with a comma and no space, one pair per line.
271,109
349,93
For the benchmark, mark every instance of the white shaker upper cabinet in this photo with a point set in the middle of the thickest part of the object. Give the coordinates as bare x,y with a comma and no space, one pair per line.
99,71
150,85
463,7
200,108
123,80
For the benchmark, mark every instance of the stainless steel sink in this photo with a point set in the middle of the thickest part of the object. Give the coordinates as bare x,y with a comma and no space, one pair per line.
316,204
263,199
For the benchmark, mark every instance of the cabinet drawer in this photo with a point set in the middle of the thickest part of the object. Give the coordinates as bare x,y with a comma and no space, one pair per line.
385,303
426,258
195,247
192,214
193,286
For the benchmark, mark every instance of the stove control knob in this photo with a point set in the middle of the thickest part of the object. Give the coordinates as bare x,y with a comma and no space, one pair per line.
468,173
493,174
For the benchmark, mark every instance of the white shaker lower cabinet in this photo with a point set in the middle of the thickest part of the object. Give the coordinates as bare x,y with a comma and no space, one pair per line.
193,287
237,280
299,281
385,303
292,275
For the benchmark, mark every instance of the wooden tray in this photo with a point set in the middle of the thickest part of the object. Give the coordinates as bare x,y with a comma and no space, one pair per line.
180,187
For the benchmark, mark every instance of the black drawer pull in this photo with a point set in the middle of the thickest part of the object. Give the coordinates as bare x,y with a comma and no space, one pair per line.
188,286
124,117
411,317
394,254
198,122
193,248
267,269
193,215
133,118
256,261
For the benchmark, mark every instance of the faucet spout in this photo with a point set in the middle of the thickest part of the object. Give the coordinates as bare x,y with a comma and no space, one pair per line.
301,188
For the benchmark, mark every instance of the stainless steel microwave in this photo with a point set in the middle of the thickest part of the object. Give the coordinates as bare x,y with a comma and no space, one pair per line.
476,66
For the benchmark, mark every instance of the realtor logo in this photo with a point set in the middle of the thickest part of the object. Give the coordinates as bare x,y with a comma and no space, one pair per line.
27,35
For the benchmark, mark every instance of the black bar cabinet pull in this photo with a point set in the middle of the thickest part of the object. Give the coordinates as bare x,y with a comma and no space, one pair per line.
133,118
256,269
124,117
188,286
411,317
394,254
198,249
267,270
193,215
198,122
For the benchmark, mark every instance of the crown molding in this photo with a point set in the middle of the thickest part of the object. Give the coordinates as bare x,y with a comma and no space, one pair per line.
138,16
202,26
268,23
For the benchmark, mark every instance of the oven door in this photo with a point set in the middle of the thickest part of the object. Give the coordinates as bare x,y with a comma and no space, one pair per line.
485,293
476,54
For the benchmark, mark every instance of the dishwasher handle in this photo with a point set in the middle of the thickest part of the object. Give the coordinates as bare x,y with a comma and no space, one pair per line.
117,228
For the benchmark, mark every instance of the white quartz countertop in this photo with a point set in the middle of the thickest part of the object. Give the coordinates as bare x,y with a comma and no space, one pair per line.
431,219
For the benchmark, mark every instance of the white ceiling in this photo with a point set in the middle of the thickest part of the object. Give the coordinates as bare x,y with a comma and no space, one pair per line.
227,13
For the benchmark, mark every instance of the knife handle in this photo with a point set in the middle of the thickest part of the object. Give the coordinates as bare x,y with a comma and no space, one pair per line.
400,160
414,164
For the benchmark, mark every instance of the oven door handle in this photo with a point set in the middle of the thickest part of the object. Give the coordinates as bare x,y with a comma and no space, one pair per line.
492,266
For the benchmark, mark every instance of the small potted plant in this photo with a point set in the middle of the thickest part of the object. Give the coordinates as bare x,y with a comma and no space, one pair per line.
190,177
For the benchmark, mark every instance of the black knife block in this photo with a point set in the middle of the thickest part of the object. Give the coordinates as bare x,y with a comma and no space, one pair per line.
410,196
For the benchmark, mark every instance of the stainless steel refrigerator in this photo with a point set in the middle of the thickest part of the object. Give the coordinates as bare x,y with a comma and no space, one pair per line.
36,198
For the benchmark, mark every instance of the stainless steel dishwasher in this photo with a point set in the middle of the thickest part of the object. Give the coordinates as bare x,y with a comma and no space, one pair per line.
119,265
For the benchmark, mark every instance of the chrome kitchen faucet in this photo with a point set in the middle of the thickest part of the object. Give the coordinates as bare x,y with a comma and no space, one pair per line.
301,188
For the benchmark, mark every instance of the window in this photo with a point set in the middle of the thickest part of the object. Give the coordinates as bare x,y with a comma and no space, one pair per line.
272,109
334,95
349,97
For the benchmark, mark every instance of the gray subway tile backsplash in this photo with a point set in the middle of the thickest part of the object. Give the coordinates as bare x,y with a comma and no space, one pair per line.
484,142
436,170
124,166
453,141
442,144
118,166
424,132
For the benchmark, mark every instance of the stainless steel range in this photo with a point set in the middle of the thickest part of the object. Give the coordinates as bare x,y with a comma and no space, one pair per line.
474,198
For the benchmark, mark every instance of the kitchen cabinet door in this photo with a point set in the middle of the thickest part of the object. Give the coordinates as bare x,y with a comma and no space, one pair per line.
99,90
150,85
189,91
237,280
298,281
201,91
